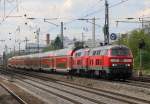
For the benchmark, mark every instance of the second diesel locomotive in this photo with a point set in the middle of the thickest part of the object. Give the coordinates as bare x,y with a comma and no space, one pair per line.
113,61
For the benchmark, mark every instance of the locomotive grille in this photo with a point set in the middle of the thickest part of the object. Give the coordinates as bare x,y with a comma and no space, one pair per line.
120,66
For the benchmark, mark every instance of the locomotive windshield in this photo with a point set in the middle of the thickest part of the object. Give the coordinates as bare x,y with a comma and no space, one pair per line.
121,51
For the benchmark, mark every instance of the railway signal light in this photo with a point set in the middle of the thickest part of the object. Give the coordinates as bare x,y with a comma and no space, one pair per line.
141,44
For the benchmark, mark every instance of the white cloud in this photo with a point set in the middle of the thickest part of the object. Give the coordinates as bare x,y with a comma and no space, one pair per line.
145,12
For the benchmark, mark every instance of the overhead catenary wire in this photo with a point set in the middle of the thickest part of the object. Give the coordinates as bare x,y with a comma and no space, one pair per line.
133,21
111,6
11,11
97,11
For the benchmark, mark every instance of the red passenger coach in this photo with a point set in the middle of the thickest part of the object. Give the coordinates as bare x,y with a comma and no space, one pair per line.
49,61
63,59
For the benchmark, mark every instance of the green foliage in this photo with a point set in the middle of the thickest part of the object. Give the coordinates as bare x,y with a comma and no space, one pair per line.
48,48
79,44
145,60
54,45
57,43
132,41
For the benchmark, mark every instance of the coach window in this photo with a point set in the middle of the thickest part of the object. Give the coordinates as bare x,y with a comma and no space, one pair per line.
94,53
105,52
79,54
97,62
86,53
102,52
99,52
90,62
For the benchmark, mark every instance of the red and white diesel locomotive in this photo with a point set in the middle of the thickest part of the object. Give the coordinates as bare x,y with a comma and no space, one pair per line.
113,61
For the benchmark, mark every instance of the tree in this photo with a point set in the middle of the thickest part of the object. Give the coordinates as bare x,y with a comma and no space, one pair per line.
79,44
133,41
57,43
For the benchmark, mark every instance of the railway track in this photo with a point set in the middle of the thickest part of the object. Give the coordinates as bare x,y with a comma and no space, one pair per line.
21,101
90,100
99,92
138,83
143,78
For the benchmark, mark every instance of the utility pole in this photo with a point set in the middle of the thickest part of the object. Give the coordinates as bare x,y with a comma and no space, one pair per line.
26,42
4,60
82,39
14,50
61,35
4,10
17,3
5,56
19,47
38,40
142,21
106,26
6,49
93,32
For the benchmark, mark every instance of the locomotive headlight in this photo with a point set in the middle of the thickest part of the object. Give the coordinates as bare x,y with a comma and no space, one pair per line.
127,60
114,64
114,60
128,65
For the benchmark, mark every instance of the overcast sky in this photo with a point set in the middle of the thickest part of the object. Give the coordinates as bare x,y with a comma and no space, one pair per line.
16,26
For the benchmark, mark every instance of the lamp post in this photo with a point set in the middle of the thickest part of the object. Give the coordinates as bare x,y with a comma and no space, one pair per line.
38,40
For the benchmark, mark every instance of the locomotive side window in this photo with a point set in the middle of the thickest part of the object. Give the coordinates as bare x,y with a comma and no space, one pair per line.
120,51
86,53
91,62
97,62
98,52
78,54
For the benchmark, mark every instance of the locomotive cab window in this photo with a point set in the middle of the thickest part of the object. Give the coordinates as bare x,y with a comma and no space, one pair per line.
121,51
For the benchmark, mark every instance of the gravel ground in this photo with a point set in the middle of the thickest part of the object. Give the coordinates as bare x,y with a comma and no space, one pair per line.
57,100
75,91
27,97
6,98
100,98
143,93
49,98
138,92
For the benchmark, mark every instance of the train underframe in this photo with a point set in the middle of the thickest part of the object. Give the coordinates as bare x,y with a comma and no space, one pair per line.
106,73
109,73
